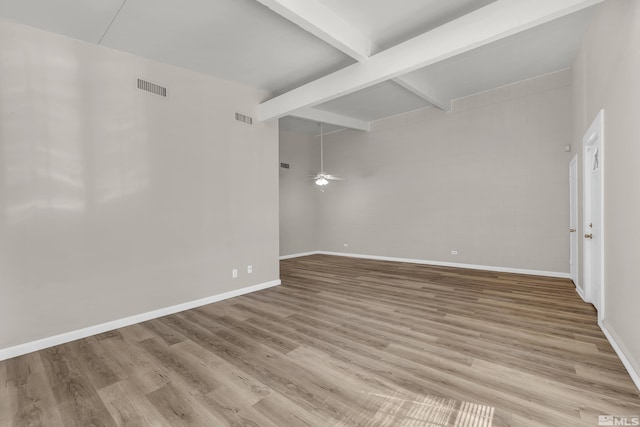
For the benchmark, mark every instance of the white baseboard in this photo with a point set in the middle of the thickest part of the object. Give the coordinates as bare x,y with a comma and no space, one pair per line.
299,255
612,337
439,263
18,350
580,292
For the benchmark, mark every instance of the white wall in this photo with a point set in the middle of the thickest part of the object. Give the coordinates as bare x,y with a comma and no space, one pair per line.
605,77
489,179
114,201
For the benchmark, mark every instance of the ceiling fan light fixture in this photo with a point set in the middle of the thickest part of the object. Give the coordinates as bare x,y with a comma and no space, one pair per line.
322,178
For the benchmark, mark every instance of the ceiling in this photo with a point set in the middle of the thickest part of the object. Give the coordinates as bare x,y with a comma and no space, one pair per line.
344,63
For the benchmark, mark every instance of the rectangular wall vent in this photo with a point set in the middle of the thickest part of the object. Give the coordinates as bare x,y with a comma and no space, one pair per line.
244,119
152,87
284,165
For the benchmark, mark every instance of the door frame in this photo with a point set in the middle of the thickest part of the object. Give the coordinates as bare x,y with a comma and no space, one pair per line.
593,134
574,229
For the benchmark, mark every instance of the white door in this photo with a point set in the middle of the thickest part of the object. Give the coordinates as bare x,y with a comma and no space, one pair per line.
592,226
573,221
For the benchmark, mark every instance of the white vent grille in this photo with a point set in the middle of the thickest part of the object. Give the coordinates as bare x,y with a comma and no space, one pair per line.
152,87
244,119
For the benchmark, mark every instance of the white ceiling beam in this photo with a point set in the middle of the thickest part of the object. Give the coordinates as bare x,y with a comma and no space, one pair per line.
425,90
493,22
323,23
329,27
322,116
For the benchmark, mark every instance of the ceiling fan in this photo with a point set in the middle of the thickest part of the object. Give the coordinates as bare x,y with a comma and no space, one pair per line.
323,178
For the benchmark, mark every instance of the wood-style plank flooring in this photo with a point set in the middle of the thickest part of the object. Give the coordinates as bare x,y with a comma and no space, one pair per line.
343,342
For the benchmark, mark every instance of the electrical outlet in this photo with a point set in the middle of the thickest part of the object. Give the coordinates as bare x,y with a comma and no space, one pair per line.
454,252
234,273
249,269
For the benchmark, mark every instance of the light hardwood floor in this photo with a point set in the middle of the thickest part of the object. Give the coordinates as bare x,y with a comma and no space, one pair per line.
343,342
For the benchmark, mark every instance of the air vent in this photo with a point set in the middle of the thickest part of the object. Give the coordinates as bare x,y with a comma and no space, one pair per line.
152,87
284,165
244,119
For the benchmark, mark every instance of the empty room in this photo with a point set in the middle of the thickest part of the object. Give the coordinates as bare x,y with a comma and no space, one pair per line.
319,213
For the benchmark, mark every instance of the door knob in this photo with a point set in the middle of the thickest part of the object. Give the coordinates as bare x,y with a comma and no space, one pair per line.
588,236
572,230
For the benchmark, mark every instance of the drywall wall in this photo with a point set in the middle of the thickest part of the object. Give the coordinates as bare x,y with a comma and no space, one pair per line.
489,179
115,201
298,208
606,77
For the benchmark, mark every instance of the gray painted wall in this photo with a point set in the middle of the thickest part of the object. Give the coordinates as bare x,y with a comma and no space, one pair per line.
116,202
489,179
299,220
606,77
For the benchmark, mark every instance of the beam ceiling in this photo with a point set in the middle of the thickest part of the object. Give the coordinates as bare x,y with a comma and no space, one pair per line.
481,27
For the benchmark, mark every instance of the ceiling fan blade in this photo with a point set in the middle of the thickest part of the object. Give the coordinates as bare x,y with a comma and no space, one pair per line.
333,177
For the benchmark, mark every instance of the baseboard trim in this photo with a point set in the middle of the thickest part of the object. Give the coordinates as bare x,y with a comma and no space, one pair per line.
612,337
298,255
439,263
581,293
19,350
